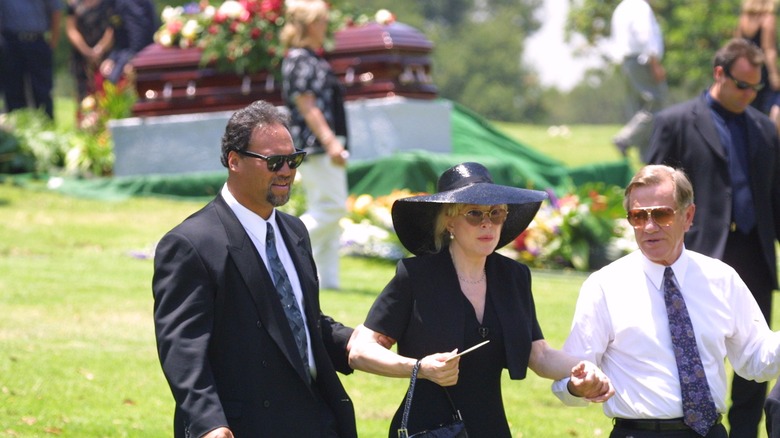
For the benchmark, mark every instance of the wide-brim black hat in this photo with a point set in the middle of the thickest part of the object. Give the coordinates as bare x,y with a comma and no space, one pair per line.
467,183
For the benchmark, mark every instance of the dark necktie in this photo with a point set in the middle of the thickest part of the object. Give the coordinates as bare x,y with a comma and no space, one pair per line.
699,410
289,303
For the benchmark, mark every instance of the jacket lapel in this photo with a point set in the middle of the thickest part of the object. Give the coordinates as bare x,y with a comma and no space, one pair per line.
704,124
260,286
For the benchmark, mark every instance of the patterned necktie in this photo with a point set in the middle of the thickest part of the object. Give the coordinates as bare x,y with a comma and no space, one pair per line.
699,410
284,289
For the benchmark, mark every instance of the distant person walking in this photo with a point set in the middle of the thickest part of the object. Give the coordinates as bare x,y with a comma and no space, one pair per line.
315,98
28,57
639,43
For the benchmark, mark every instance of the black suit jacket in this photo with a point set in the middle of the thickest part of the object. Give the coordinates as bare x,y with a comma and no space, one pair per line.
224,343
684,136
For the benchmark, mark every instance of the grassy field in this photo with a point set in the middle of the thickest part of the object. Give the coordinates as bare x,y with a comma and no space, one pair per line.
78,355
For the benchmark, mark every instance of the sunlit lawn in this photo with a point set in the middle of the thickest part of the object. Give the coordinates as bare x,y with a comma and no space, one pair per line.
77,353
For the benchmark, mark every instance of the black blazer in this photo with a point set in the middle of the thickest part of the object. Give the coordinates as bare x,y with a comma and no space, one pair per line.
421,308
224,343
684,136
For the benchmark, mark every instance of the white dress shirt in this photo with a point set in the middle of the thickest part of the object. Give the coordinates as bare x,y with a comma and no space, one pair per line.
256,227
621,324
635,31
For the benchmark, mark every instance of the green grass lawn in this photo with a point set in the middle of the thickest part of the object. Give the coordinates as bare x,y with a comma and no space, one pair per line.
77,355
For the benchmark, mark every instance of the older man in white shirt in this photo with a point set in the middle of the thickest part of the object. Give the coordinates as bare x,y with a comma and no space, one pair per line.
638,43
669,378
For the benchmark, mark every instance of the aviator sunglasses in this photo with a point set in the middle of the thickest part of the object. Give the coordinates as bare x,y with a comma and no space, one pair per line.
662,216
475,217
742,85
275,162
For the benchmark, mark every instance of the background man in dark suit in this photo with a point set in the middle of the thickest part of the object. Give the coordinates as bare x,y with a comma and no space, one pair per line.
226,347
731,153
30,33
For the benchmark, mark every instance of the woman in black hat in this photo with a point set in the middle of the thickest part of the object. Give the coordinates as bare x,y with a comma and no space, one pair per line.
458,292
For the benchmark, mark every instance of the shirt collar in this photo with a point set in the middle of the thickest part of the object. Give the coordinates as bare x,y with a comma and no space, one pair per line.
655,272
253,223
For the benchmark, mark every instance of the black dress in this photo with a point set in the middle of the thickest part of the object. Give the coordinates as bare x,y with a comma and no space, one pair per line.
424,298
91,22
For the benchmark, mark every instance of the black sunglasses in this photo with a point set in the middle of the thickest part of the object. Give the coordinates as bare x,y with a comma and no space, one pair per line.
475,217
742,85
662,216
275,162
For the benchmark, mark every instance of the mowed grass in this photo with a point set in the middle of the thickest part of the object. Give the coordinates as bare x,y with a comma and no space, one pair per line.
77,349
78,354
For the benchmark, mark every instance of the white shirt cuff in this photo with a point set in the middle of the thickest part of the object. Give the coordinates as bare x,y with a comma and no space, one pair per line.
561,390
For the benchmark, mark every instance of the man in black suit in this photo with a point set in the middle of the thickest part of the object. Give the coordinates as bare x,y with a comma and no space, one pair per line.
731,153
224,339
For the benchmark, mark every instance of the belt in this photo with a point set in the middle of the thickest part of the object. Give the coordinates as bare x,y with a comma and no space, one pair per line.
655,425
26,36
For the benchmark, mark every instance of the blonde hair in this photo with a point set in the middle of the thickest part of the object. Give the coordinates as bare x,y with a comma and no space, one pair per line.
758,6
441,236
300,14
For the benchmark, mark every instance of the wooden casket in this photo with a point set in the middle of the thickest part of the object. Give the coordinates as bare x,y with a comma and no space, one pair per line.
376,60
372,61
171,81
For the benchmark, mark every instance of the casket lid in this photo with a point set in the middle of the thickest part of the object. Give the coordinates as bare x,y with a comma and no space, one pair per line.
378,37
155,56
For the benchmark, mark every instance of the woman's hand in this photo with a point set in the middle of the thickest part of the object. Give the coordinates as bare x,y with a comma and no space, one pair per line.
335,150
436,368
589,382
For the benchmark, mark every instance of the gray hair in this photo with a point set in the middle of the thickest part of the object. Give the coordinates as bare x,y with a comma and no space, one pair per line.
655,174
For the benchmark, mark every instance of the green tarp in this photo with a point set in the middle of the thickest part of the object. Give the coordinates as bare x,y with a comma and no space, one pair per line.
473,139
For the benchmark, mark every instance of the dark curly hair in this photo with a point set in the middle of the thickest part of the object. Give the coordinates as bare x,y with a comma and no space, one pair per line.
243,122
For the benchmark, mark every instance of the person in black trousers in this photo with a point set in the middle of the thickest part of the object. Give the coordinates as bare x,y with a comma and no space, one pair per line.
30,32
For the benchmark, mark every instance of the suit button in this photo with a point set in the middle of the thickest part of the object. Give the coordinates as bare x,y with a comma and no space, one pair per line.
266,404
264,364
259,324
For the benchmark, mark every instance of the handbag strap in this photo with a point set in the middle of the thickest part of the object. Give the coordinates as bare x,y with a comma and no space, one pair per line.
403,432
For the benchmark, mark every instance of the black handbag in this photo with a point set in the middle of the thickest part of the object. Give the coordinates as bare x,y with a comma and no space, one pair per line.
454,429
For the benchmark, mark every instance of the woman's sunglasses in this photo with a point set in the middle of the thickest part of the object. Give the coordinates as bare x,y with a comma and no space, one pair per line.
475,217
662,216
275,162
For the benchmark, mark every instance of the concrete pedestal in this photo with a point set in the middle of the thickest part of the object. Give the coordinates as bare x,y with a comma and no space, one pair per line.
191,142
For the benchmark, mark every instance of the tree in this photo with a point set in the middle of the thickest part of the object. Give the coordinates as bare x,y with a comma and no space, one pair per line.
693,30
478,52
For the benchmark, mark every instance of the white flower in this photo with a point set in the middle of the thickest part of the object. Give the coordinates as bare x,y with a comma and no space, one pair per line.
170,13
209,12
231,8
164,38
383,16
190,29
89,103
